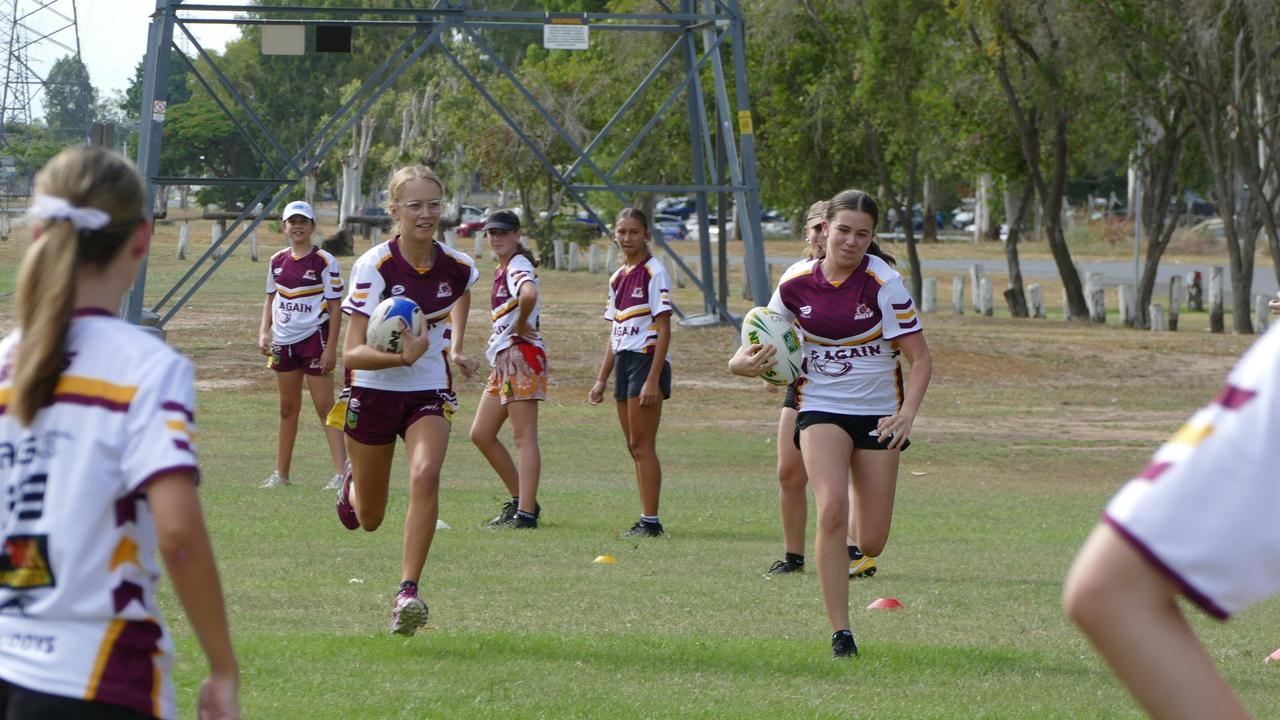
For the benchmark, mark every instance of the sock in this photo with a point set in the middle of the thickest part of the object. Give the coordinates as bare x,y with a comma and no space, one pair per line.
650,519
409,585
842,633
526,515
854,553
516,499
795,559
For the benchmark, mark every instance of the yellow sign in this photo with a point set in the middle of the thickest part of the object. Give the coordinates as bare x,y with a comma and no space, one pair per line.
744,122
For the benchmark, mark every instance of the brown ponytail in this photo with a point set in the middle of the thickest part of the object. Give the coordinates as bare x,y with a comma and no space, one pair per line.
85,177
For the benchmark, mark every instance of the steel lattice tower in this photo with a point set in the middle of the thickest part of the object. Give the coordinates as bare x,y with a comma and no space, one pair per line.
34,33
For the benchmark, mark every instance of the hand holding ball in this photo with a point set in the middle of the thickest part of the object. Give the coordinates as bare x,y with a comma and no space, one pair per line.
766,328
390,321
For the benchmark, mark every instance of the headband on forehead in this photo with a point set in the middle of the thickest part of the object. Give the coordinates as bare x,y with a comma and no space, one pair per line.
50,207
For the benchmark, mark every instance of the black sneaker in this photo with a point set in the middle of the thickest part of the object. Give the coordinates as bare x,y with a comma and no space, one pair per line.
506,516
521,521
644,529
782,567
842,645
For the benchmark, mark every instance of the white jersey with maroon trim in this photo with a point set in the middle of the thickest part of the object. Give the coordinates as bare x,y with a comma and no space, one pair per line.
1204,509
302,289
850,360
382,272
638,295
505,304
78,614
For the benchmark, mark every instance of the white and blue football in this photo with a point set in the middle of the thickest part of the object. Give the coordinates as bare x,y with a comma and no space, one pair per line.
389,322
762,326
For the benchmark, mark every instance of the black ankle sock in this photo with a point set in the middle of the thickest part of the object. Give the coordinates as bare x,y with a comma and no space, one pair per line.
795,559
526,515
854,553
842,633
409,585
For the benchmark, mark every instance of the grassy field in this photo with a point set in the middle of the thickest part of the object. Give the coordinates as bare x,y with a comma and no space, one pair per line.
1028,428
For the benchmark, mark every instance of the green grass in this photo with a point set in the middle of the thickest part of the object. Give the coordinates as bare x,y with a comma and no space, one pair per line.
1028,428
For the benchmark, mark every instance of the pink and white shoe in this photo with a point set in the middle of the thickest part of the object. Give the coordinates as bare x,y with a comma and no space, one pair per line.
347,513
410,612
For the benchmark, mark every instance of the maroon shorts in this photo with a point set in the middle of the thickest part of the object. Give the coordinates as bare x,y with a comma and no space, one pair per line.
303,355
376,417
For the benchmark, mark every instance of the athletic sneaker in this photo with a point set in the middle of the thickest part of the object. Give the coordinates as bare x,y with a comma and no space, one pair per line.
506,515
335,482
842,644
347,513
785,566
275,479
863,567
410,612
644,529
521,522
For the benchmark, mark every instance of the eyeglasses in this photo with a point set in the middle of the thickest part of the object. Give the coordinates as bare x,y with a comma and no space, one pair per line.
416,207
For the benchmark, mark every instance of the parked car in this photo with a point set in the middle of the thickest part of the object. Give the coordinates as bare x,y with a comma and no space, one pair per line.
470,220
773,223
681,206
691,227
670,226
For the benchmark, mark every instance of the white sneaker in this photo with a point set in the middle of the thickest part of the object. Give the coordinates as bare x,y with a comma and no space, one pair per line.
335,483
275,479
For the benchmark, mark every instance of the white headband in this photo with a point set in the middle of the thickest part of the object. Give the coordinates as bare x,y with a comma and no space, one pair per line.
49,207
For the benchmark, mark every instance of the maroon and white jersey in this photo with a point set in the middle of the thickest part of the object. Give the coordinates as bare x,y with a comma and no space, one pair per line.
850,360
637,295
504,301
303,288
1204,509
78,571
382,272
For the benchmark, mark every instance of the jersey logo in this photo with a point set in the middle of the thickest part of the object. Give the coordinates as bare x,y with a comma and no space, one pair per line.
309,275
397,289
24,562
806,310
277,271
444,291
863,312
502,291
637,292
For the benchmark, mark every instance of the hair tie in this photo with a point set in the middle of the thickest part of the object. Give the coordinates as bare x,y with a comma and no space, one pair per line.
50,207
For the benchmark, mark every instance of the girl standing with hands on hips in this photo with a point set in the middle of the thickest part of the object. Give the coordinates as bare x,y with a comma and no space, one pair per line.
299,335
519,378
109,412
409,394
855,408
639,310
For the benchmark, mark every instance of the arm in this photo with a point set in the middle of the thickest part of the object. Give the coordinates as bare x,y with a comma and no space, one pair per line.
527,297
1128,610
359,356
188,557
1274,304
264,331
596,395
329,358
894,429
651,391
458,317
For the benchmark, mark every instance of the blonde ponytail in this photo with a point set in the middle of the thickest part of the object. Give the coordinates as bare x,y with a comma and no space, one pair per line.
85,177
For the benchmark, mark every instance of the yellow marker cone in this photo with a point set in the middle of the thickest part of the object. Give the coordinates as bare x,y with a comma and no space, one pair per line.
605,560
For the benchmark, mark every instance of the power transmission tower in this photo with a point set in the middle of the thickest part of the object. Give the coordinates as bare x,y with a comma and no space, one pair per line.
33,33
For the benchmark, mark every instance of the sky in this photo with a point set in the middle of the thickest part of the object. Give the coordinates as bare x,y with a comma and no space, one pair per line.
113,38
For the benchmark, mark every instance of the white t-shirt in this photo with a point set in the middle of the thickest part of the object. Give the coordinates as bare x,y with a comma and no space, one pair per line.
1204,509
382,272
638,295
505,304
78,615
850,364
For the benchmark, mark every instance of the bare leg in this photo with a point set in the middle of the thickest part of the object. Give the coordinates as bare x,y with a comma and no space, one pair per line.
875,482
642,441
490,415
791,484
371,471
321,389
1128,610
289,385
827,452
427,440
524,431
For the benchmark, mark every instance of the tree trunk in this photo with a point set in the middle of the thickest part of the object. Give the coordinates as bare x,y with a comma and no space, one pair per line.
1016,295
353,169
930,229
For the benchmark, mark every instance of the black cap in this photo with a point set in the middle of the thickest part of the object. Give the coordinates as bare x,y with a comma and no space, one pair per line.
502,220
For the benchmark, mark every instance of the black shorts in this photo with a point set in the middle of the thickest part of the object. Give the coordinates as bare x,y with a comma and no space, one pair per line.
859,427
631,369
789,401
19,703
